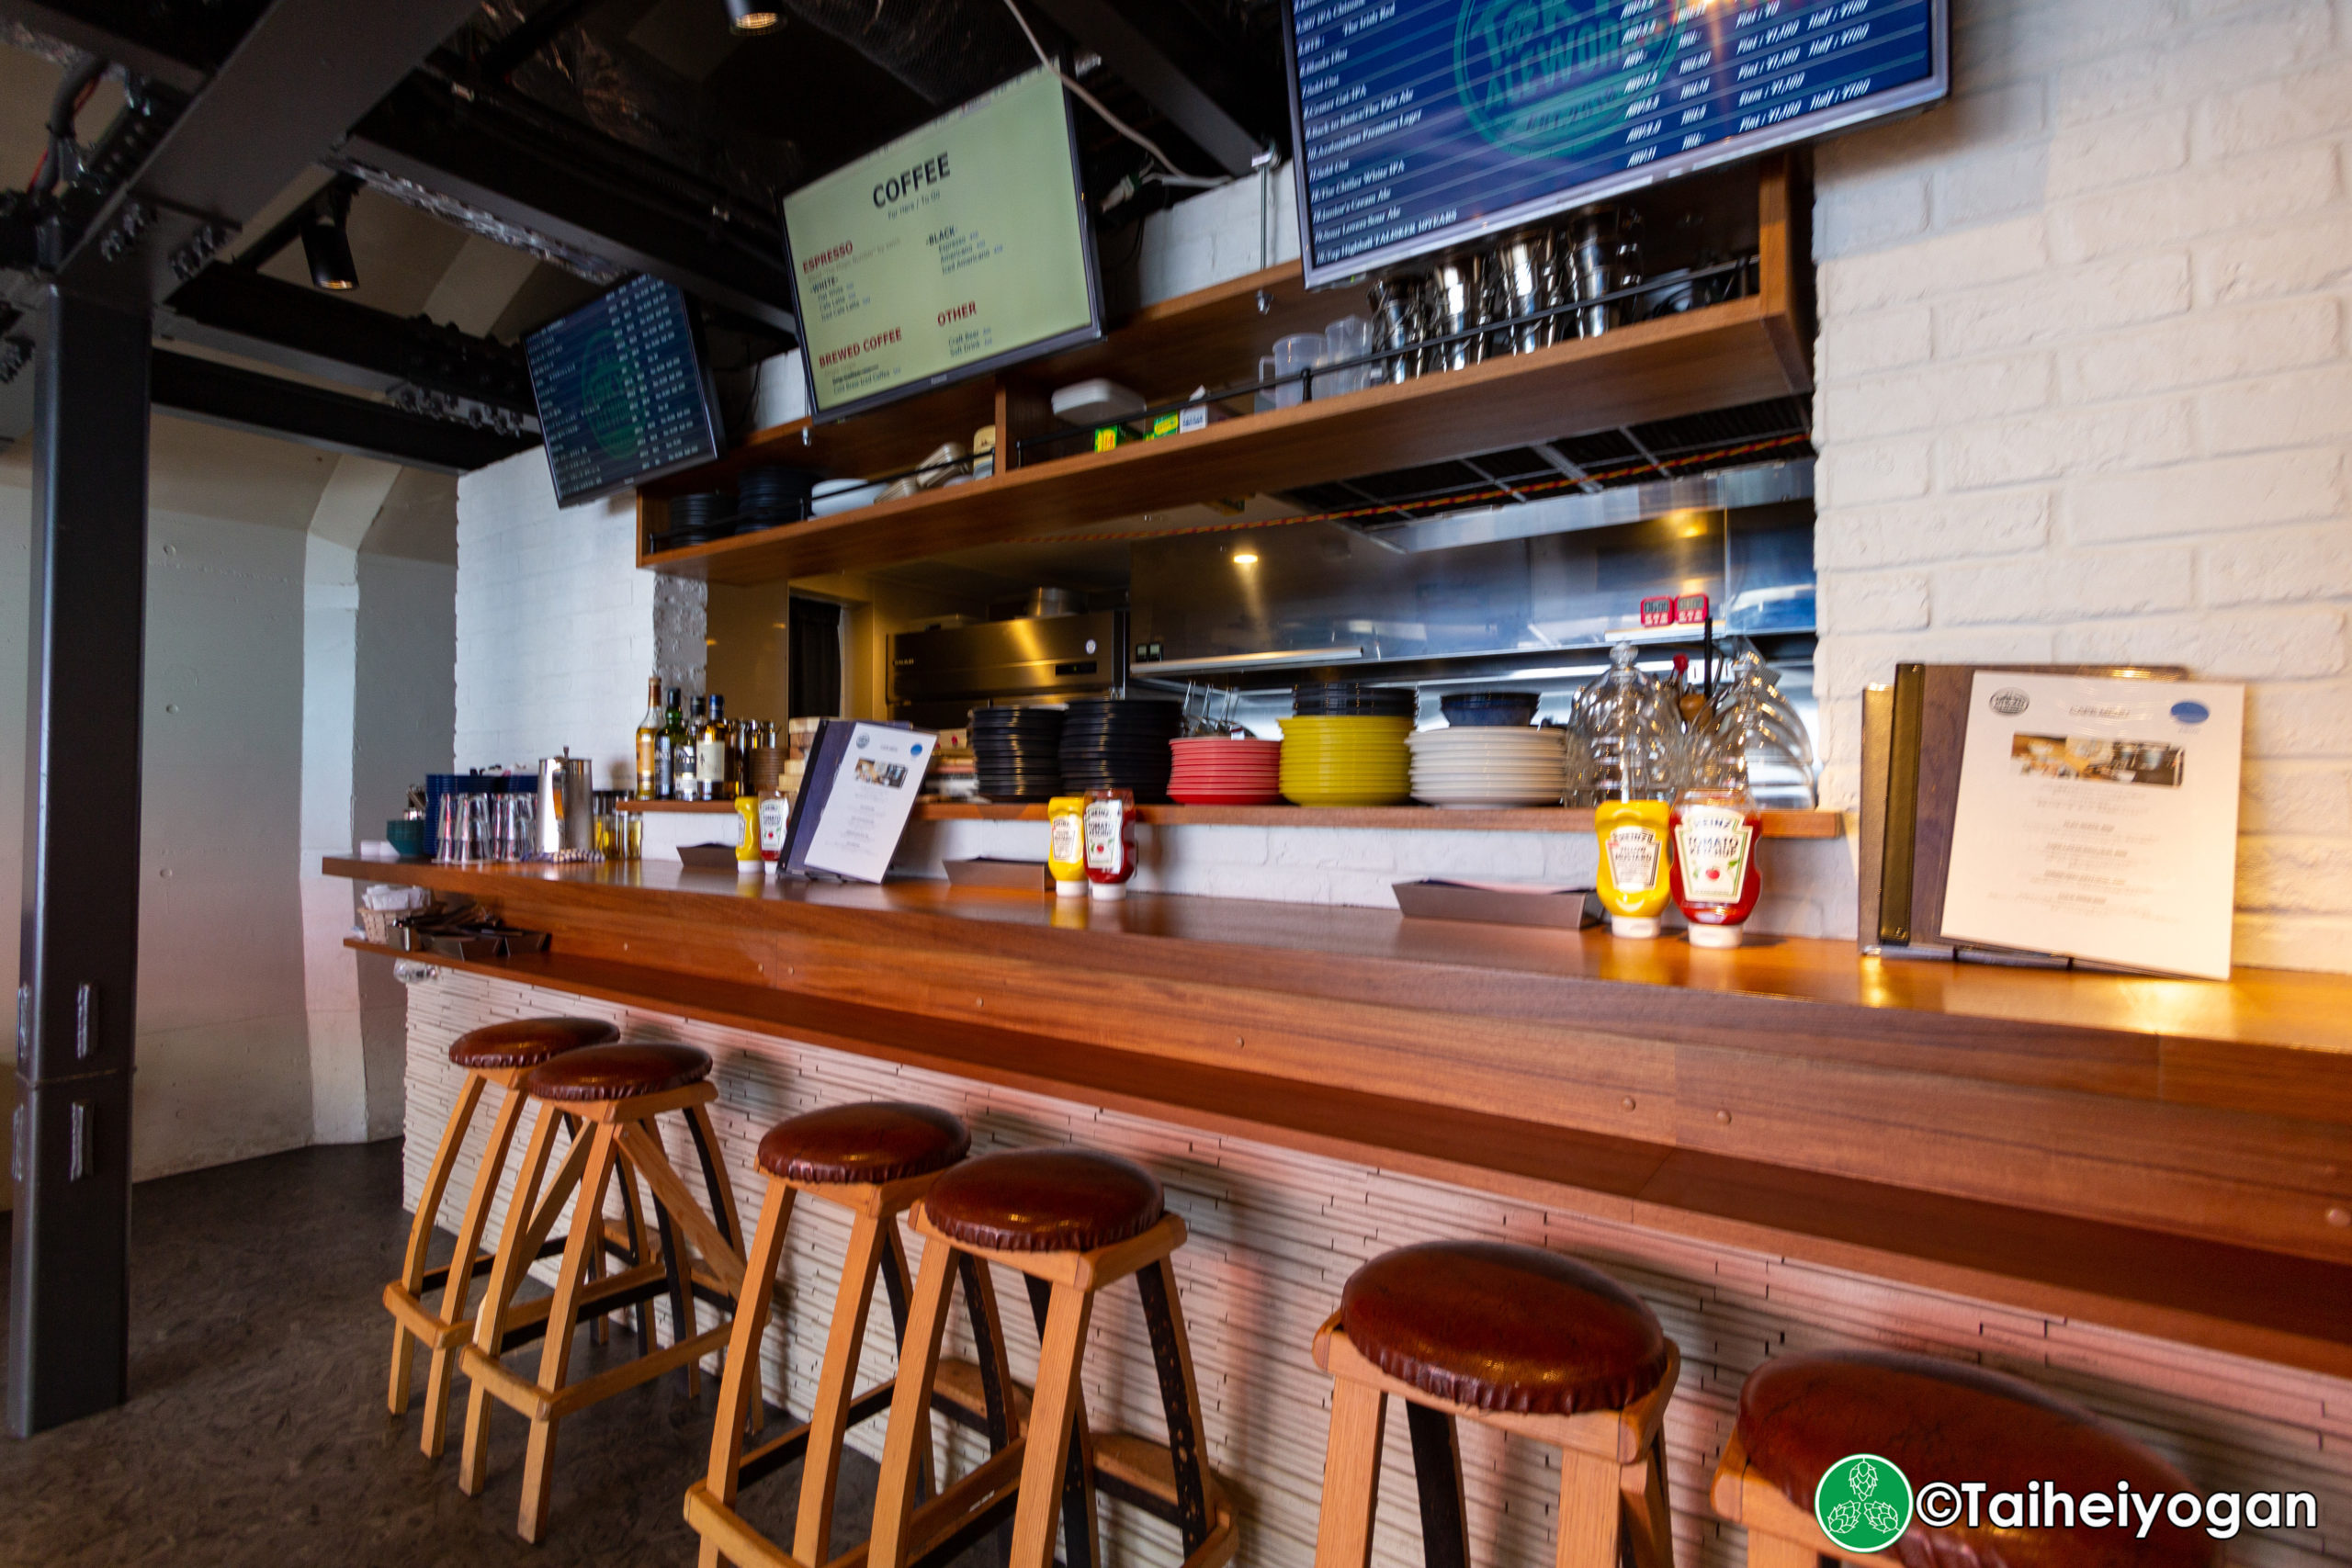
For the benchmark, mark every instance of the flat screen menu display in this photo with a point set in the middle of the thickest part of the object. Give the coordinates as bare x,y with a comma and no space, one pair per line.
620,391
958,248
1419,123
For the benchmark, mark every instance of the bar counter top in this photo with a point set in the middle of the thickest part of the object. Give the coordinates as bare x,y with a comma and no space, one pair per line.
2173,1156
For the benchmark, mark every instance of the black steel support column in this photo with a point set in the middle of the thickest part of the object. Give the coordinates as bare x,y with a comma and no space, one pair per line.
68,1285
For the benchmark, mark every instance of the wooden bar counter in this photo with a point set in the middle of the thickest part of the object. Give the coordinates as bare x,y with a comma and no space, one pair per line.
2169,1157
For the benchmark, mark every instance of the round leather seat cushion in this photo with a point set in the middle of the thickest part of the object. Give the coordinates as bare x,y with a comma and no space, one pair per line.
1044,1201
618,1072
1951,1422
879,1142
1501,1328
527,1042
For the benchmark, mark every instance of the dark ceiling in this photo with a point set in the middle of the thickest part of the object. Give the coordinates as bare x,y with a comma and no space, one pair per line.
604,136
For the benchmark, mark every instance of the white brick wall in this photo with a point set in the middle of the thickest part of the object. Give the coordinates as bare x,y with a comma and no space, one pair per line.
2086,391
557,627
1274,1235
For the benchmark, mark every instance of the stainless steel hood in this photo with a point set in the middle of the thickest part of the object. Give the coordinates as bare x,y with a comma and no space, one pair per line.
1262,607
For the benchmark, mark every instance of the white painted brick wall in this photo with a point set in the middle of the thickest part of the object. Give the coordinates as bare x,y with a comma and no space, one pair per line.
1274,1235
557,627
2086,392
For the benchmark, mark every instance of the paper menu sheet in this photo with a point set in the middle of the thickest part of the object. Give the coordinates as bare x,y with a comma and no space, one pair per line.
873,790
2099,819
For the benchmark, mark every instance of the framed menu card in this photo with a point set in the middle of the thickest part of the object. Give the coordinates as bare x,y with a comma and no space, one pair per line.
2097,818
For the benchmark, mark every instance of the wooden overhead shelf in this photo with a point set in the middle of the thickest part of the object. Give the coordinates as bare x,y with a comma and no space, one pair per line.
1742,351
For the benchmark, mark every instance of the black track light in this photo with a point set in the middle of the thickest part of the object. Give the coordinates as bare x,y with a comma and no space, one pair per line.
752,16
327,241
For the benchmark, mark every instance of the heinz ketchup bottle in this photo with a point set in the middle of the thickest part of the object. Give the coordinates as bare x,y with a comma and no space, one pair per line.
1715,824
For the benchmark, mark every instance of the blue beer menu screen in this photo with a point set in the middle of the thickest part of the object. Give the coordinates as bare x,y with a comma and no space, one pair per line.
620,391
1418,122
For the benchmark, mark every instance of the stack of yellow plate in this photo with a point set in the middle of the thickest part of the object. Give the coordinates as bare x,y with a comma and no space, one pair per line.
1346,761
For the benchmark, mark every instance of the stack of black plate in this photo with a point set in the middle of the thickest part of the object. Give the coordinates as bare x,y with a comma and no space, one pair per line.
1016,752
1120,743
765,497
697,519
1350,699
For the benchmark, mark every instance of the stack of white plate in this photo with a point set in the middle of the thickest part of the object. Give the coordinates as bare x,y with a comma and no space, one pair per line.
1489,765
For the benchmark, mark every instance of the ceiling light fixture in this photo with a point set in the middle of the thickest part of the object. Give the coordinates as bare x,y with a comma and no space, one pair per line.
326,240
1245,557
751,16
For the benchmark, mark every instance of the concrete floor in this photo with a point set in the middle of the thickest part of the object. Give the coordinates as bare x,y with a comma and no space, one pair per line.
257,1432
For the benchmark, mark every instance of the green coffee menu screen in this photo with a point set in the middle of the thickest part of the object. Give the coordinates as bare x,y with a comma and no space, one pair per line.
955,247
1420,120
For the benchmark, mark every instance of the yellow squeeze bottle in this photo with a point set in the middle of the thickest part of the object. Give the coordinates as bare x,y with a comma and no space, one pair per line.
1634,880
1066,844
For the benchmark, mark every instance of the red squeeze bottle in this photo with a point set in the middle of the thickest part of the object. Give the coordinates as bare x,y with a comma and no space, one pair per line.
1110,841
1716,878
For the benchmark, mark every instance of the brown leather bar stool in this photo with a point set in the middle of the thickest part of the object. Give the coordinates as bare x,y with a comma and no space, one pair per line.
1514,1337
1071,1222
1801,1416
501,1055
874,1160
616,1090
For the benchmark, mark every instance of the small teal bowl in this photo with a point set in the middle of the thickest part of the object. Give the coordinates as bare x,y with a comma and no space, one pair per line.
407,834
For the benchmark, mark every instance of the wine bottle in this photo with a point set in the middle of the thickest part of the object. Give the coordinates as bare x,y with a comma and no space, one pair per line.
652,731
687,764
710,754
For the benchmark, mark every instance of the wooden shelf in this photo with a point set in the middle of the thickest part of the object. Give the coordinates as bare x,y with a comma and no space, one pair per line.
1723,356
681,807
1423,818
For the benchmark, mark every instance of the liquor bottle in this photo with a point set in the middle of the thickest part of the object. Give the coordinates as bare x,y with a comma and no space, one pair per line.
652,734
710,754
687,764
674,729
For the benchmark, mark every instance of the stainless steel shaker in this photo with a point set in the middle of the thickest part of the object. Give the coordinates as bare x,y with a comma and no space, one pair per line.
567,808
1397,305
1527,280
1459,305
1604,255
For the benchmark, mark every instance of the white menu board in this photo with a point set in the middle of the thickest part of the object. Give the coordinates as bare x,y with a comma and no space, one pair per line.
961,246
2099,819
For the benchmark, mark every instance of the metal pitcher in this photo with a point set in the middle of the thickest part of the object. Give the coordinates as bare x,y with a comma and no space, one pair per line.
1528,279
567,808
1397,305
1604,255
1460,302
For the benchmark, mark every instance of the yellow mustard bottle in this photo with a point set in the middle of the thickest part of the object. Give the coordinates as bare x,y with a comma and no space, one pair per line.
1066,844
1635,883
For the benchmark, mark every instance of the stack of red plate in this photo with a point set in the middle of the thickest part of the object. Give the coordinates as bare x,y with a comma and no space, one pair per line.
1212,770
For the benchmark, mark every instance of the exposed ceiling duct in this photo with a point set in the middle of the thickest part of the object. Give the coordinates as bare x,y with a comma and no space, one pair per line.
947,51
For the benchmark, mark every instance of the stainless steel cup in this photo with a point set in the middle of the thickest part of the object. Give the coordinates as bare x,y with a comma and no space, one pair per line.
566,809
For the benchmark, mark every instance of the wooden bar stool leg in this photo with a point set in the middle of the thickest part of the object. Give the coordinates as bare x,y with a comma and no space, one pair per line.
435,1436
909,1435
420,1232
1052,1417
564,1316
518,1243
812,1536
740,1385
1588,1512
1649,1525
1082,1536
1771,1551
1437,1475
1350,1475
